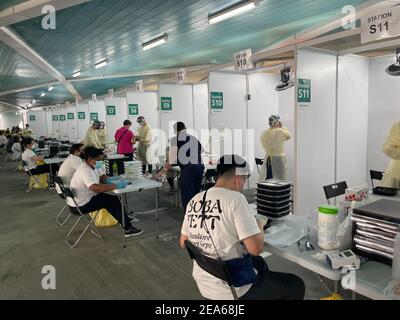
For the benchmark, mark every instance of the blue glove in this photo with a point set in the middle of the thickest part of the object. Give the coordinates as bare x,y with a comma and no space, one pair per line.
121,184
112,180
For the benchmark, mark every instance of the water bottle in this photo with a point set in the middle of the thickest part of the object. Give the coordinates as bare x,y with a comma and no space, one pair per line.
396,259
115,169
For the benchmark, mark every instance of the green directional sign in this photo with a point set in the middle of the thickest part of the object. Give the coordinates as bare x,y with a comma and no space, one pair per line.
94,116
111,111
166,104
81,115
32,118
70,116
133,109
217,100
62,117
55,118
304,91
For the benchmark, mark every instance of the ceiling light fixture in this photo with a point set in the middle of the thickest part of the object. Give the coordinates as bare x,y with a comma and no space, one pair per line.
394,69
76,73
51,88
155,42
43,94
33,101
101,63
231,11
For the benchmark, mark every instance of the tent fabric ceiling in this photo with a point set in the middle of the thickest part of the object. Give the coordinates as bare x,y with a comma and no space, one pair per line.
4,4
115,29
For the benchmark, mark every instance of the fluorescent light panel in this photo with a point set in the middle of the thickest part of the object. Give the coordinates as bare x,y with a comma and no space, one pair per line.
43,94
50,88
101,63
231,11
76,73
155,42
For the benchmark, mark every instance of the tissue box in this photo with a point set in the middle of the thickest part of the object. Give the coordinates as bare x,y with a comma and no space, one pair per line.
358,193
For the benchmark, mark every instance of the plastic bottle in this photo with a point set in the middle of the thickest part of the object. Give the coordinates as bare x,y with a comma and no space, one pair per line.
396,259
328,221
115,169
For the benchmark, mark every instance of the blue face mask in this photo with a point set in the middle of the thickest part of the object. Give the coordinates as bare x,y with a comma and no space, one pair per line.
99,164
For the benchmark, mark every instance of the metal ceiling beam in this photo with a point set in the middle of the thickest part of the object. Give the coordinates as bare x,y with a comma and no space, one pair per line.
32,87
11,105
11,39
32,9
371,47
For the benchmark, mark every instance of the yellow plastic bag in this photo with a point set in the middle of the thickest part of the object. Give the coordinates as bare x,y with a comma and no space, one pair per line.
43,181
104,219
334,296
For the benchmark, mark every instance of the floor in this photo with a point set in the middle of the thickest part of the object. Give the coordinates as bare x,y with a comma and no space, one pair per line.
148,268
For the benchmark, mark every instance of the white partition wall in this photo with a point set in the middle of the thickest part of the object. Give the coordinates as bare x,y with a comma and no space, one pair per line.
38,122
49,122
286,102
263,103
384,110
83,119
200,111
115,121
182,106
55,122
62,118
352,115
97,109
72,123
146,105
10,119
316,130
233,115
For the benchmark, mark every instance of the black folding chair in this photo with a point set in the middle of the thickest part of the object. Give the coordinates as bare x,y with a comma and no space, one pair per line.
30,175
335,190
259,162
210,177
217,268
88,223
375,175
61,186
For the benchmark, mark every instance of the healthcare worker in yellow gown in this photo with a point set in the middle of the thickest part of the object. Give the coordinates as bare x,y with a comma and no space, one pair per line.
391,148
272,140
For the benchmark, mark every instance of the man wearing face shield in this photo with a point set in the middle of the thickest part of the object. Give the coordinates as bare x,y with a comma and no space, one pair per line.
228,231
92,138
272,140
144,151
102,135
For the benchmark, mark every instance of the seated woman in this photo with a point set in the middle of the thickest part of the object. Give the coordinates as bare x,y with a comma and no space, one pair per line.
31,159
89,189
16,148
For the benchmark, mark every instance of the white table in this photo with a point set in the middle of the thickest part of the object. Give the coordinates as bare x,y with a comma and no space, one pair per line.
136,185
372,279
305,258
51,161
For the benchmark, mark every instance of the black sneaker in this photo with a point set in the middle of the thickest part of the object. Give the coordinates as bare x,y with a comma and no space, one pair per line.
132,232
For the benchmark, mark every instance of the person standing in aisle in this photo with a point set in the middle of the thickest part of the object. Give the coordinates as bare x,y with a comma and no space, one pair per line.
144,152
186,151
125,139
92,138
272,140
391,148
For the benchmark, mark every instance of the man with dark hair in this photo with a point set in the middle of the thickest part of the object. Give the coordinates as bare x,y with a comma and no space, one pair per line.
124,137
228,231
186,152
32,160
89,189
71,164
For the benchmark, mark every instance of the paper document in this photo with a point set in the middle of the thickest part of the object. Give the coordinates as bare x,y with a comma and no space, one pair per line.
283,236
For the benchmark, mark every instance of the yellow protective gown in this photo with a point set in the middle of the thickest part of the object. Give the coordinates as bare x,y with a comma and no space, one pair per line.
272,141
144,151
391,148
92,139
102,135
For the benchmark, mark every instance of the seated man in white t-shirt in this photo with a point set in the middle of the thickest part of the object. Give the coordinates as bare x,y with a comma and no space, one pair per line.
71,164
89,191
231,226
31,159
16,149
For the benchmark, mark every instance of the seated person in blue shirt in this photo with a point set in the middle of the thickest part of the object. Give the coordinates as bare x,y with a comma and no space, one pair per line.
89,191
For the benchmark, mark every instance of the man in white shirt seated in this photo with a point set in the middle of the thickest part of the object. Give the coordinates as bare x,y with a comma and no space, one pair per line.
89,191
32,160
229,231
71,164
16,148
3,139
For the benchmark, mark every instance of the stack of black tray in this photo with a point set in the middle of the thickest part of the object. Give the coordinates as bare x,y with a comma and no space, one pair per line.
274,198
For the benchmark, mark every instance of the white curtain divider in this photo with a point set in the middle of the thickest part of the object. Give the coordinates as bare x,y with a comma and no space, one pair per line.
82,109
114,122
